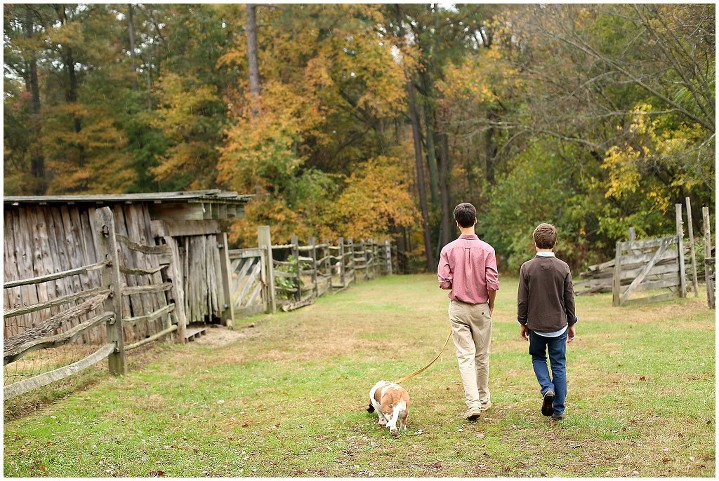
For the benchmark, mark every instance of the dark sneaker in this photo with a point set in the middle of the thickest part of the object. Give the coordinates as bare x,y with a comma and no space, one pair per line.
547,408
557,417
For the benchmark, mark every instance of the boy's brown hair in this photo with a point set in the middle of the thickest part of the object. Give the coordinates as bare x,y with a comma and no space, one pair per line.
545,236
465,214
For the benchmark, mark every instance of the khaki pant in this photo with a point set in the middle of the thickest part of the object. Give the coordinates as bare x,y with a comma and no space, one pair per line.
472,332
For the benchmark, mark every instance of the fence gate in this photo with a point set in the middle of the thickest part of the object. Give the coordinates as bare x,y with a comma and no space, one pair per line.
653,266
248,281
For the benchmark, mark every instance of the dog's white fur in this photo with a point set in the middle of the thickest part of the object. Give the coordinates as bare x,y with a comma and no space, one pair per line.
391,401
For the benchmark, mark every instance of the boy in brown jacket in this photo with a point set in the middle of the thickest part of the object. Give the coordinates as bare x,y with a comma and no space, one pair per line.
545,311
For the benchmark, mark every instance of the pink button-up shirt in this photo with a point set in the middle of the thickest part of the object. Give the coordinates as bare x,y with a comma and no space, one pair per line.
468,267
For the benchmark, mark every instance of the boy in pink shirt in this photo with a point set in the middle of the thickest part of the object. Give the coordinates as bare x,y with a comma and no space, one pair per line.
468,268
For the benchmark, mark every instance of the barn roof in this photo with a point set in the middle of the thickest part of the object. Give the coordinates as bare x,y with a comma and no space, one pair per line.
196,196
190,205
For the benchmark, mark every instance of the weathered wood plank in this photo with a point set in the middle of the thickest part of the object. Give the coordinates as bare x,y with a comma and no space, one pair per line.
123,254
13,297
163,311
138,239
54,322
35,382
245,253
25,270
75,252
58,301
138,272
57,340
56,275
143,248
152,338
150,288
37,258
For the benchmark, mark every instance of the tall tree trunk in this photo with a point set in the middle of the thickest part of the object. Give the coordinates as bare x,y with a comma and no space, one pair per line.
445,231
37,158
71,87
490,147
429,127
417,136
131,34
251,30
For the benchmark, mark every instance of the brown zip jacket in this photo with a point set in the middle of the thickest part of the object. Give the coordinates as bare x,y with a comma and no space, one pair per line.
545,298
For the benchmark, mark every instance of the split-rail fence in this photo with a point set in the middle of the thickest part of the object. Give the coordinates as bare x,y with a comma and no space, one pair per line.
655,269
132,296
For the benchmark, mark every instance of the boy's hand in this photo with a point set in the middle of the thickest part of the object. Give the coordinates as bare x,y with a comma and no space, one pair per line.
570,333
524,332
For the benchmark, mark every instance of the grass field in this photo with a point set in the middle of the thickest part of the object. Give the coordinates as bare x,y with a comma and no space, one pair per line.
289,399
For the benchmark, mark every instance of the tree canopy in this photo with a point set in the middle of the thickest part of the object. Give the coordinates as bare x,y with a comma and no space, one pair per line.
363,120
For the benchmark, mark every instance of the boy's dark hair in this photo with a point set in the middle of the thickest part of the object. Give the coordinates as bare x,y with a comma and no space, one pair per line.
465,214
545,236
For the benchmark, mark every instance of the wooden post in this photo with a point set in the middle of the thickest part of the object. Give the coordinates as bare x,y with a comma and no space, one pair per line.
228,309
690,228
341,255
106,248
351,263
296,255
388,256
617,284
366,259
178,292
709,261
264,241
313,254
375,258
680,252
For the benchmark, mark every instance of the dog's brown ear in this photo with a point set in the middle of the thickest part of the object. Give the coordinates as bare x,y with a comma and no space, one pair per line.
370,408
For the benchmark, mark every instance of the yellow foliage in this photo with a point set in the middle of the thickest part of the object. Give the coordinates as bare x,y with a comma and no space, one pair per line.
482,80
90,160
648,146
376,197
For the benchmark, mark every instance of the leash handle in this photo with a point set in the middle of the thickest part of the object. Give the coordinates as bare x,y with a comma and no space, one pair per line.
410,376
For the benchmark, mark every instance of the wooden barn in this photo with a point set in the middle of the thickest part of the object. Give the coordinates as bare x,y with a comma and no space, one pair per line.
51,234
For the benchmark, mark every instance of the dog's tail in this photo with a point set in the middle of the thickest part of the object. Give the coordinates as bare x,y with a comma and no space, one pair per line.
370,408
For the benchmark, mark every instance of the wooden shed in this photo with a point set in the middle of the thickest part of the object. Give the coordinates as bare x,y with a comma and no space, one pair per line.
49,234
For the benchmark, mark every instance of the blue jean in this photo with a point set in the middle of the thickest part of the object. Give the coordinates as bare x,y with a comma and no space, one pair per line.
539,346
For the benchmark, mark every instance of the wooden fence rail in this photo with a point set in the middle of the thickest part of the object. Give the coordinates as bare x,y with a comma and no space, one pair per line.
291,275
654,264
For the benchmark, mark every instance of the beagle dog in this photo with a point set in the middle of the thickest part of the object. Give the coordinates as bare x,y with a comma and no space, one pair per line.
391,401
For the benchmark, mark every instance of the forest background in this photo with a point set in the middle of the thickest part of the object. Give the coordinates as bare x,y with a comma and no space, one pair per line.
362,121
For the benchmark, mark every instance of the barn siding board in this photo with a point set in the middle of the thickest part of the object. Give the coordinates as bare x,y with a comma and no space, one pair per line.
38,267
162,299
24,270
135,233
73,231
60,287
12,296
119,217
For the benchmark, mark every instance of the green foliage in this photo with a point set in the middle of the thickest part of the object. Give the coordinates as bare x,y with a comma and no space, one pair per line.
542,186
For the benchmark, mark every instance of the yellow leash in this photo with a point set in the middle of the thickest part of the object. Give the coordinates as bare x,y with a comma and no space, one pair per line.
410,376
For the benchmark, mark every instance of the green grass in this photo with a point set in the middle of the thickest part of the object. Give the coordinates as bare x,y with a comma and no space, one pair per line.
290,400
